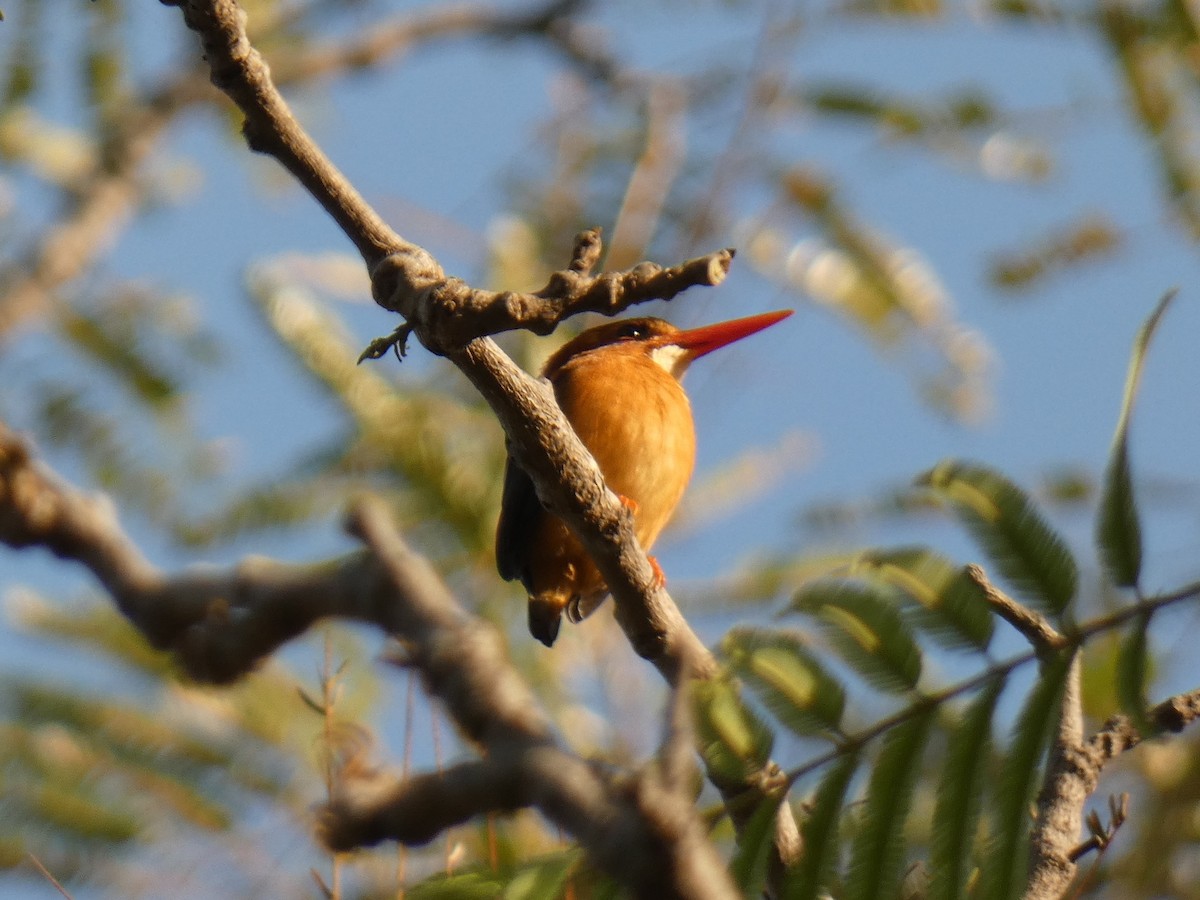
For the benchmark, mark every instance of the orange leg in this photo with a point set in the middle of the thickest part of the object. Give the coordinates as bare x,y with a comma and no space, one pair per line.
660,577
629,503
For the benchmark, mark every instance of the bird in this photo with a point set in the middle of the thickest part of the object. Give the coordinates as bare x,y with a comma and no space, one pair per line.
618,384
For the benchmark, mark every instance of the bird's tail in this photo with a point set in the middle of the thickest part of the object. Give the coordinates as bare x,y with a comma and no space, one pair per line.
545,615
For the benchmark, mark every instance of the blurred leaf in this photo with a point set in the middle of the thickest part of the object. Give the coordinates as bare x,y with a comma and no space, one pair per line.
1022,546
900,115
1155,77
110,339
956,611
862,621
878,850
1005,865
78,811
1133,663
734,741
539,879
1091,238
25,51
256,509
542,879
478,885
1118,531
787,678
813,876
960,796
93,626
756,841
445,449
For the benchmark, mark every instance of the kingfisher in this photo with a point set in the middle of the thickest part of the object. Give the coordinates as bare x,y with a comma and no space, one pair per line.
618,384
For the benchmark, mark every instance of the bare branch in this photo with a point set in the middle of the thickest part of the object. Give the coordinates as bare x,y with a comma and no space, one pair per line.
1072,778
447,313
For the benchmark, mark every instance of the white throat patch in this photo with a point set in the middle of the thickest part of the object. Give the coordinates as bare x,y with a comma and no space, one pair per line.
672,359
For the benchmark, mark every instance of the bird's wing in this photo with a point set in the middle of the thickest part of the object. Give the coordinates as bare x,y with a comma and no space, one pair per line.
520,513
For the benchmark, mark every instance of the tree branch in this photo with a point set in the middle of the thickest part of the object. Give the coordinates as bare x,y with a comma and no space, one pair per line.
641,832
1032,625
451,318
1072,778
221,623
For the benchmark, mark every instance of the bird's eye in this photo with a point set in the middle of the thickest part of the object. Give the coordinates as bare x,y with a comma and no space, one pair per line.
632,332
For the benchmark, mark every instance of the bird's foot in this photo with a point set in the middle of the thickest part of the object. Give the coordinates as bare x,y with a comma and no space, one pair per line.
660,578
629,503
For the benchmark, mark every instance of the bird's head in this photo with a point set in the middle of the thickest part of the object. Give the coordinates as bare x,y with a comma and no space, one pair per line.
672,348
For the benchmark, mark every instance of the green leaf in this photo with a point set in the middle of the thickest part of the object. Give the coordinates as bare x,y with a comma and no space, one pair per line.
755,843
1118,531
542,879
960,797
1006,862
1021,545
786,678
1132,674
733,740
538,879
465,886
863,623
954,609
878,851
819,833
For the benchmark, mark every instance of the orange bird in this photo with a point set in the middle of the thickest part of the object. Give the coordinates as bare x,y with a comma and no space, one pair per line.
618,385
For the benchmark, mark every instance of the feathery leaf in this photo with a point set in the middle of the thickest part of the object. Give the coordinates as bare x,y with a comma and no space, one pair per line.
1020,543
820,833
865,626
954,609
878,851
755,843
960,796
786,678
734,741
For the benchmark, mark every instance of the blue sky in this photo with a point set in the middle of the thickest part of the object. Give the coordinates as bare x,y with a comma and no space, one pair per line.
441,131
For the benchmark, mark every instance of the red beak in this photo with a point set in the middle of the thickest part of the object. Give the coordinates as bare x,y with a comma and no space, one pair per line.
699,341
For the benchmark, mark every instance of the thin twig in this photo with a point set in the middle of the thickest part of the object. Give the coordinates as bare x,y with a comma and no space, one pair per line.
1035,627
46,874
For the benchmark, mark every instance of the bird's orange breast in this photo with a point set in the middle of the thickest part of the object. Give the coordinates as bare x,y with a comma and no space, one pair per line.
635,419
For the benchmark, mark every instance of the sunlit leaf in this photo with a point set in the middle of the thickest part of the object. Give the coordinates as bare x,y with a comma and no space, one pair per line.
960,796
787,678
734,741
955,609
1022,546
1118,530
878,850
863,622
1005,864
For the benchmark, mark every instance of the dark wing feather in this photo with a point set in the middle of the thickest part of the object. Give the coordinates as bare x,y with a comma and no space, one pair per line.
520,514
